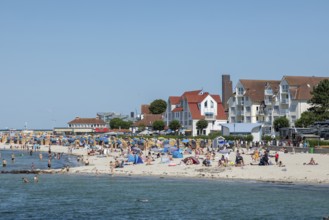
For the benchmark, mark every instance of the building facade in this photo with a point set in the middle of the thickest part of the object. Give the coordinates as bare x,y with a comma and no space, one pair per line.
262,101
192,106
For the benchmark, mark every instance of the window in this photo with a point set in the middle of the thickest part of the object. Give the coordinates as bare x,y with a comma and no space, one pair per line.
240,91
257,109
256,118
206,104
211,104
246,98
248,109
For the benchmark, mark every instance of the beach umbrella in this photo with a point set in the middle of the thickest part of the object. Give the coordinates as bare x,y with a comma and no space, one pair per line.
185,141
136,149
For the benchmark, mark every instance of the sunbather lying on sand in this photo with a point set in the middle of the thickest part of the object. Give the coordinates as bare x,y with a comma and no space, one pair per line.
312,162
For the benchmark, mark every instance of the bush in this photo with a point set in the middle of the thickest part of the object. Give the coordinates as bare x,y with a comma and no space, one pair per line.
314,143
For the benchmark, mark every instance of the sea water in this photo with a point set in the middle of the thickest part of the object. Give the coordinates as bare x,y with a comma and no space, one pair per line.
113,197
23,160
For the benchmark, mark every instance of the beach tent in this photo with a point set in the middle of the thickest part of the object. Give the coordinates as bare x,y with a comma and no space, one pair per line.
131,158
194,159
177,154
138,159
136,149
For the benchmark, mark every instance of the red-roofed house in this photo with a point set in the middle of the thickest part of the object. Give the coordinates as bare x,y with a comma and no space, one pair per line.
192,106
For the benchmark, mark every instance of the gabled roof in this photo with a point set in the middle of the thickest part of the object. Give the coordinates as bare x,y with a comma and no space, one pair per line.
302,80
255,88
145,109
301,86
193,99
78,120
148,120
177,109
174,100
220,109
195,96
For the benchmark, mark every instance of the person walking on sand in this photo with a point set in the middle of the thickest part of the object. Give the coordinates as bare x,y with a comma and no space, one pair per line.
276,158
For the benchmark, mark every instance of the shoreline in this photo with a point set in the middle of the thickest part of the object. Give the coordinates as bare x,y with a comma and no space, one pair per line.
290,174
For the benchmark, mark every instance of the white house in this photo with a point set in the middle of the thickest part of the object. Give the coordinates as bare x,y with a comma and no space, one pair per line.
262,101
192,106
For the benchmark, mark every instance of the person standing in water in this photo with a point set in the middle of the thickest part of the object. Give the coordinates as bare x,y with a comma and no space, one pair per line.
4,163
49,164
36,179
40,156
13,158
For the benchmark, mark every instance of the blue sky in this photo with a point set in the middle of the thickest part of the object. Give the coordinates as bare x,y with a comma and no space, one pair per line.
61,59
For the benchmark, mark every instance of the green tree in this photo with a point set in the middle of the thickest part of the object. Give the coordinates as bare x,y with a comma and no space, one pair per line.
158,125
174,125
281,122
158,106
307,118
116,123
201,124
141,127
319,110
320,98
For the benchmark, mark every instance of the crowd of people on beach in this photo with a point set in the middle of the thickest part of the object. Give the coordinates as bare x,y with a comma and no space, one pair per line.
142,152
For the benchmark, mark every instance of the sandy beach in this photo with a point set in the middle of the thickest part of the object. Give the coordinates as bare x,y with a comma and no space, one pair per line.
294,170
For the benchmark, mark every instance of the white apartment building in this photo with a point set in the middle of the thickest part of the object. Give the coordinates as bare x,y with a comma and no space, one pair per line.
262,101
192,106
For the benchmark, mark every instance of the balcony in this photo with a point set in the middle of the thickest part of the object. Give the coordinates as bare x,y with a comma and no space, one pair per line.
284,90
260,112
240,103
285,101
209,116
268,92
284,111
268,102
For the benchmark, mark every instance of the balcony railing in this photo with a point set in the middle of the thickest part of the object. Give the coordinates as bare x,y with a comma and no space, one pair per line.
285,101
284,90
268,92
210,117
268,102
284,111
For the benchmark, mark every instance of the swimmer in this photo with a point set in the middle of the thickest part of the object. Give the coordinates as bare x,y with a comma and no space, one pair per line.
40,156
4,163
25,180
13,157
49,164
36,179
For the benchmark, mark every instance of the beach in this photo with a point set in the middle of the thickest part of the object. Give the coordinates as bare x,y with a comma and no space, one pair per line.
293,171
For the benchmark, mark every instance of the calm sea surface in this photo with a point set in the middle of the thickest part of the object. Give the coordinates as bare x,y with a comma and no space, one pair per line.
112,197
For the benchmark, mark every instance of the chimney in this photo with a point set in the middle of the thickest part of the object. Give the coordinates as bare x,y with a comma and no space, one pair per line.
226,90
